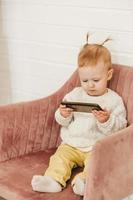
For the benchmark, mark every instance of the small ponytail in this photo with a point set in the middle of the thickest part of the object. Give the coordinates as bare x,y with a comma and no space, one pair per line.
87,37
102,44
108,39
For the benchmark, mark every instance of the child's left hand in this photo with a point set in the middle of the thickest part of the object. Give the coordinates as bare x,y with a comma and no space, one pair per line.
102,116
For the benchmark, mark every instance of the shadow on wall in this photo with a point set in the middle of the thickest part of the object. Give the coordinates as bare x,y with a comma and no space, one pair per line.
5,79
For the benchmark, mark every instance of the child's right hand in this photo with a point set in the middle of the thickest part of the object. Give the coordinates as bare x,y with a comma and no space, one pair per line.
64,111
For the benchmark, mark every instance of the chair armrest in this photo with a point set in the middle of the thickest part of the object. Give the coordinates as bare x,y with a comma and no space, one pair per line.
110,174
30,126
27,127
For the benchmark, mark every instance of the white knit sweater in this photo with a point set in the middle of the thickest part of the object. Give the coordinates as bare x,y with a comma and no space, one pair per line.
82,130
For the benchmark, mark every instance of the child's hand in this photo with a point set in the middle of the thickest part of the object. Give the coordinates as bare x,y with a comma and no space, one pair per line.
64,111
102,116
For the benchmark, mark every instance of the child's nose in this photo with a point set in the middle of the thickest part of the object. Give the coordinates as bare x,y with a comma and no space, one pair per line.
90,84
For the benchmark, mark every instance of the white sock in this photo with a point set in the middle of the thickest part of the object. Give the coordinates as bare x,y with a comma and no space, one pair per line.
45,184
79,186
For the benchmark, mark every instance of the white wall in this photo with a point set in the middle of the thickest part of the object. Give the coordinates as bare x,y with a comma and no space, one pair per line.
40,40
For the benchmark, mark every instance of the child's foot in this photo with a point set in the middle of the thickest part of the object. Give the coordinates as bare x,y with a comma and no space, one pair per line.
45,184
78,186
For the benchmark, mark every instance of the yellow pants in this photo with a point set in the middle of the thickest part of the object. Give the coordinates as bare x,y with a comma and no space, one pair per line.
64,160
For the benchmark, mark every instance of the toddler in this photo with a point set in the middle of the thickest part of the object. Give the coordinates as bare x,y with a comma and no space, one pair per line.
79,130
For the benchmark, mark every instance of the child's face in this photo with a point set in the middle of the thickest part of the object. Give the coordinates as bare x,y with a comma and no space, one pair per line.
94,78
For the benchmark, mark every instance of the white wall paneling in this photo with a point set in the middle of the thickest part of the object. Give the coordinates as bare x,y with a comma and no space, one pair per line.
40,40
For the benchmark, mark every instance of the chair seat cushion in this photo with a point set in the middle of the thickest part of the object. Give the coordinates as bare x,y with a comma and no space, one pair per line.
16,175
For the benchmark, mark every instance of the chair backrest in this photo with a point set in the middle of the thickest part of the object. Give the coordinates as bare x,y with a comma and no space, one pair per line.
122,83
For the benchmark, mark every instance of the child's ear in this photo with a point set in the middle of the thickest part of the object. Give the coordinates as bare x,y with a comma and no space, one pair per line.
110,73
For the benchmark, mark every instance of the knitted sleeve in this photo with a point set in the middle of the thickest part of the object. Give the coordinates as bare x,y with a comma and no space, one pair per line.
58,117
116,121
62,120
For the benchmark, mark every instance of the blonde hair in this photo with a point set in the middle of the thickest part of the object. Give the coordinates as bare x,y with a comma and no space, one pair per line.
90,54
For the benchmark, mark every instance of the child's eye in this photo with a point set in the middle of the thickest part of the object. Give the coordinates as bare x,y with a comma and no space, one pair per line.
85,81
96,80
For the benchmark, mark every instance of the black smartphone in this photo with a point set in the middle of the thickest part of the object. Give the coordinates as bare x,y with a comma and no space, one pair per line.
81,107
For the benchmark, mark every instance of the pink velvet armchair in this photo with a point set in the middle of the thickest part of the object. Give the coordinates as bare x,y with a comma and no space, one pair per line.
29,135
